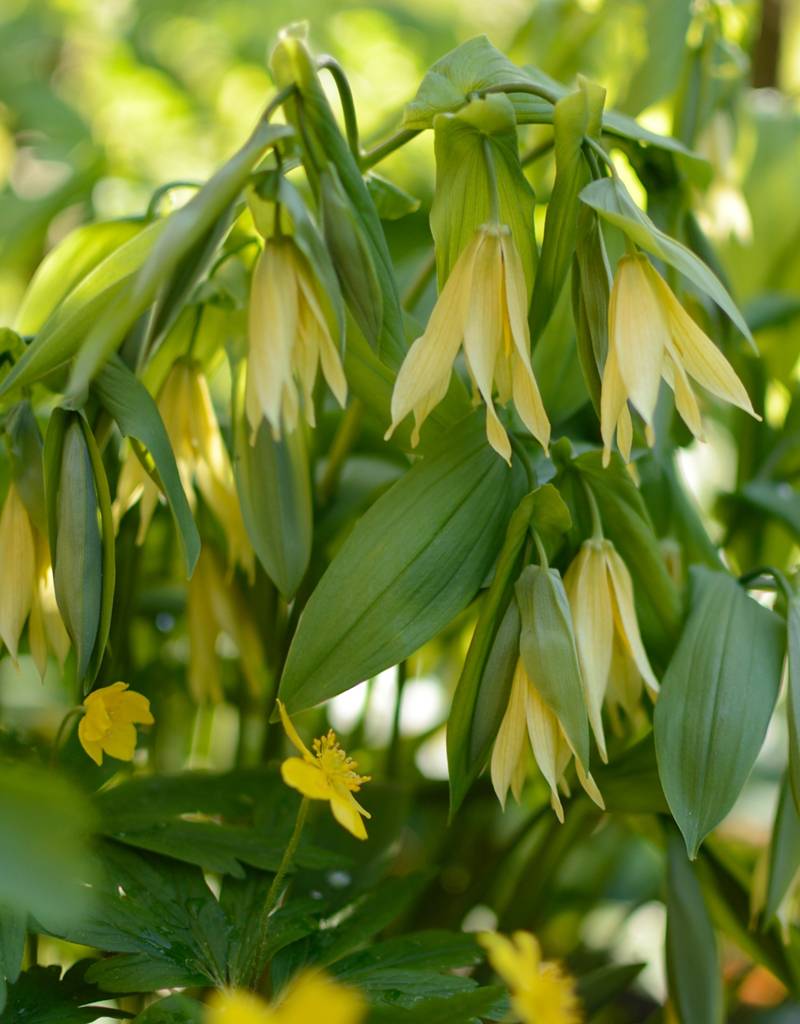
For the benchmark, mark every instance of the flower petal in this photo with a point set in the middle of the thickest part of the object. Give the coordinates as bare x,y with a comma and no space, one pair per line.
507,752
291,732
347,812
613,398
625,615
307,778
313,997
89,742
18,559
120,741
544,733
135,708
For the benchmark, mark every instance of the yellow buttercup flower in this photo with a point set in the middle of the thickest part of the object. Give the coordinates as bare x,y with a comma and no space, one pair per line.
28,592
651,337
311,997
613,660
541,992
108,724
201,457
527,712
289,338
326,774
484,305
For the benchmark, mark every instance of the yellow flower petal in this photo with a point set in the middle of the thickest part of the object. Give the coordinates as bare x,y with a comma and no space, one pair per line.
613,398
625,615
547,744
239,1008
507,752
313,997
291,732
307,778
89,741
347,812
18,559
120,741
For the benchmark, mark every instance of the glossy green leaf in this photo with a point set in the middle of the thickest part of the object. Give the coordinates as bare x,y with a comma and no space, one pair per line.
716,702
462,202
463,1008
175,1009
26,451
12,948
611,200
784,851
409,566
125,397
43,996
391,201
274,485
693,965
793,694
575,116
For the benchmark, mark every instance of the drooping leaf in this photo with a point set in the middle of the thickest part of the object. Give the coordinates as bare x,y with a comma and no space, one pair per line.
716,701
12,948
410,565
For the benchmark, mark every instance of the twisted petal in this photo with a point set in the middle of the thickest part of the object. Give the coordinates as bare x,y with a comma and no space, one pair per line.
613,408
638,332
685,401
426,369
507,753
625,619
291,732
548,745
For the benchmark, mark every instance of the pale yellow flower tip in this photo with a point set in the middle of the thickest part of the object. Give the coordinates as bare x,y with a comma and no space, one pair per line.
326,773
18,559
108,723
484,307
311,997
541,992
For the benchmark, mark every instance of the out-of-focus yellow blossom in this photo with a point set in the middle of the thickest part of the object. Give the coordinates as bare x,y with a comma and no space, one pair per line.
612,656
326,774
215,605
289,338
651,337
27,589
527,712
109,720
541,992
484,305
311,997
202,459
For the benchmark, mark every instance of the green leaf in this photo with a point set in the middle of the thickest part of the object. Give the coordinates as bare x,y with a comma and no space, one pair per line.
776,499
575,116
176,1009
463,1008
784,851
548,651
630,782
693,966
793,694
599,987
183,231
462,202
611,200
136,414
292,64
391,201
591,287
45,825
97,294
412,562
716,702
12,948
274,485
65,266
42,996
25,451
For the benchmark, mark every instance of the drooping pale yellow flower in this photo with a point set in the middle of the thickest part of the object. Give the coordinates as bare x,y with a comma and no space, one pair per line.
651,337
484,305
311,997
326,774
108,724
541,992
27,591
289,338
527,712
613,660
201,456
216,605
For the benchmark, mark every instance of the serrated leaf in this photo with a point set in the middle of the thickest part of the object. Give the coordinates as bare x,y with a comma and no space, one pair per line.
716,702
42,996
463,1008
412,562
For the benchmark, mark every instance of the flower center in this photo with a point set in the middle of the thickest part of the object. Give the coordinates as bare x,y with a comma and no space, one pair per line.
335,763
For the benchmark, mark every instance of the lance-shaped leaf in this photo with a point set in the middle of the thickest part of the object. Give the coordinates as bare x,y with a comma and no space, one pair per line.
693,967
611,200
716,702
591,287
548,651
274,486
183,230
784,852
125,397
25,450
793,695
12,947
411,563
575,116
465,142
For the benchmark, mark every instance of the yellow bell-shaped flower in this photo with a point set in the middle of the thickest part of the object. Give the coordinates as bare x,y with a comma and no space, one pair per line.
109,722
484,306
651,337
311,997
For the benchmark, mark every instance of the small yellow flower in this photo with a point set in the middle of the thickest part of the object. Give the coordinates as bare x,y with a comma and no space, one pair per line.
483,304
311,997
27,591
650,337
612,656
541,992
527,712
289,339
326,774
108,724
201,457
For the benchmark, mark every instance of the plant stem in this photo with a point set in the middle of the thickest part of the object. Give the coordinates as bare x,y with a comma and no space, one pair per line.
346,99
274,893
540,550
597,524
374,156
420,281
535,152
494,192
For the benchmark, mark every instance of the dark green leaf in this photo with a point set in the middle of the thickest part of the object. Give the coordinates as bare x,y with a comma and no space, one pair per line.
12,947
793,695
716,702
784,851
177,1009
390,200
463,1008
42,996
599,987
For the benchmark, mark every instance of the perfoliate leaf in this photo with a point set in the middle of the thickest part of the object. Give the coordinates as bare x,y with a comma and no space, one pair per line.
716,701
410,565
